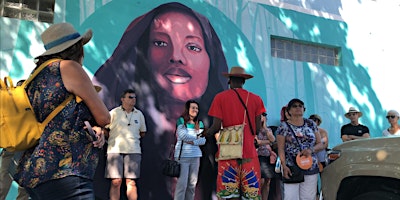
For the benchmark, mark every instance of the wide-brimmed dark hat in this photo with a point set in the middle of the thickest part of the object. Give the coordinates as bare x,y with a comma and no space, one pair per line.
59,37
237,72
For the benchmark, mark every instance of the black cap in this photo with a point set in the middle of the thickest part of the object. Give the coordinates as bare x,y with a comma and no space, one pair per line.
291,102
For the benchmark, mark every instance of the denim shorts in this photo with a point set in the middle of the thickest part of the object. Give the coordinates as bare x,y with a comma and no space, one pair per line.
70,187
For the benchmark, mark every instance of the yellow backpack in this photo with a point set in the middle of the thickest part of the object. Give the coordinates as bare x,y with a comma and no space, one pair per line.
19,128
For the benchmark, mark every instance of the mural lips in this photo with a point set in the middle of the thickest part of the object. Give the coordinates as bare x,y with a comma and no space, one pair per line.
177,76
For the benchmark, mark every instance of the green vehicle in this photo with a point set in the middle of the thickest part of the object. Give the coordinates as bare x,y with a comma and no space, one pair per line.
364,169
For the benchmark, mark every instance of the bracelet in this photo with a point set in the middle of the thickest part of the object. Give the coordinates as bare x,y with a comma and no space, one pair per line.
312,149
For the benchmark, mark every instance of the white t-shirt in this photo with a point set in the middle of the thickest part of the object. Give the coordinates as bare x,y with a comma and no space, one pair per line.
125,131
386,133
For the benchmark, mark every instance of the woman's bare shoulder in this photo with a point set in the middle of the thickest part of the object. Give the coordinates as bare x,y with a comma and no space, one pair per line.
322,131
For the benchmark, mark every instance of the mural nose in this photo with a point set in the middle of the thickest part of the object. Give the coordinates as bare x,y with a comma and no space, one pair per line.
175,61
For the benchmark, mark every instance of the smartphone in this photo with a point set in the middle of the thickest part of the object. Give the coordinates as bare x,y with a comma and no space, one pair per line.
91,131
200,134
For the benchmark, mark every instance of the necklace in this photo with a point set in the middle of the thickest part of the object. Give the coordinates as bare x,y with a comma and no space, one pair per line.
130,117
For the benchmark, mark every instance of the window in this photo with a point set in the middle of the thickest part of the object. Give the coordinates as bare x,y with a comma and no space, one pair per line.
33,10
302,51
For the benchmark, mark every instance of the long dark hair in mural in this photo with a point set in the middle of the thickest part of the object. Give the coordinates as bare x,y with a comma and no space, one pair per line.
168,55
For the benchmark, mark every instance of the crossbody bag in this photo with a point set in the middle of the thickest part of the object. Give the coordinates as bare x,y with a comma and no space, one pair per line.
230,140
297,173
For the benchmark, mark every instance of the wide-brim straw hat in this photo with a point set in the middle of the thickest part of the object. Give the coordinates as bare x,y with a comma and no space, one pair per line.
59,37
237,72
353,110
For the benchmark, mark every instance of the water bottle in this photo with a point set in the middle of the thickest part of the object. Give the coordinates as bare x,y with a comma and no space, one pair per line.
278,167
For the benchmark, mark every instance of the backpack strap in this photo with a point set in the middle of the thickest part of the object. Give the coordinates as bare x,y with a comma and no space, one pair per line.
56,111
59,107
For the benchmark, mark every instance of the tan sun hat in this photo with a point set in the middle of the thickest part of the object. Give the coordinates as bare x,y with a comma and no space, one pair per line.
59,37
237,71
315,116
353,110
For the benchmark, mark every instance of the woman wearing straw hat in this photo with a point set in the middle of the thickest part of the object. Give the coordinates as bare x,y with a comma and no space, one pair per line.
62,165
322,155
353,130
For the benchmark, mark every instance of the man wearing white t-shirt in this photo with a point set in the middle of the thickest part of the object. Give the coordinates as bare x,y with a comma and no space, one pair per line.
124,153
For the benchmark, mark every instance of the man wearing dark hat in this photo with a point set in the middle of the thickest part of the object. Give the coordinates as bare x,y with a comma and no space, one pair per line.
228,110
353,130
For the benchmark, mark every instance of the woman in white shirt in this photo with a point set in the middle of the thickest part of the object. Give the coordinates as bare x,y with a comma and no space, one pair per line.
394,129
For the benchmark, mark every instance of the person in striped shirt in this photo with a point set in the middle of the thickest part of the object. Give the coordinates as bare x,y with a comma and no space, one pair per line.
187,151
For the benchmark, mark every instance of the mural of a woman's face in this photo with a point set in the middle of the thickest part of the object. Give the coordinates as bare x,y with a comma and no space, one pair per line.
178,56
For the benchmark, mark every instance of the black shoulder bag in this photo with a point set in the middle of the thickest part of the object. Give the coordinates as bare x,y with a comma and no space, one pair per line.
297,173
171,167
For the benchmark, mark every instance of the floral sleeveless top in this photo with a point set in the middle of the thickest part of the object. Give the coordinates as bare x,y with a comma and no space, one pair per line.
262,149
305,140
65,147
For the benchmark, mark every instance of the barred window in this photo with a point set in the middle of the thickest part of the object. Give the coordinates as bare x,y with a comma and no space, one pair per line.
304,51
33,10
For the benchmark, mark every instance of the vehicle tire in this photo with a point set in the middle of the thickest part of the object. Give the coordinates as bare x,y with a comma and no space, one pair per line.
381,195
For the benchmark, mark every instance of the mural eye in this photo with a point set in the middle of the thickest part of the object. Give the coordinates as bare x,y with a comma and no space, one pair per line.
193,47
160,43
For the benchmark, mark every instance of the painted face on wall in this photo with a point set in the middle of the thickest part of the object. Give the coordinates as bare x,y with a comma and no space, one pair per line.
177,55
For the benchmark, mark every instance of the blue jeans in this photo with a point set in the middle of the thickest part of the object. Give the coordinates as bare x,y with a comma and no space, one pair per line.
70,187
186,185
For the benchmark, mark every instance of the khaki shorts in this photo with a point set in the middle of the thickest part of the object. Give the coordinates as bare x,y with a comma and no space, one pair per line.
123,165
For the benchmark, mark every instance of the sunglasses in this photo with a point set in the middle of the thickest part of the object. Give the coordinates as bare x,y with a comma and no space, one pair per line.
297,106
132,97
390,116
